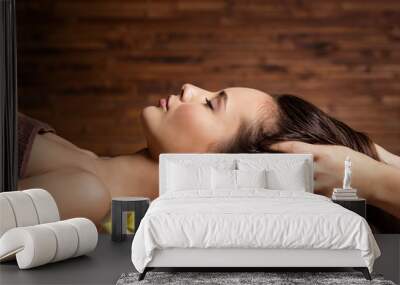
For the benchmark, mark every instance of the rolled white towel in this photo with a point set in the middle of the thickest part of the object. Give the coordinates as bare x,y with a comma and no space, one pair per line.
45,205
23,208
7,218
87,235
67,239
44,243
32,245
26,208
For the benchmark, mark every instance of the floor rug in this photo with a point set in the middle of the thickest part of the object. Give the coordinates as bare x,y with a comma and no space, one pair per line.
230,278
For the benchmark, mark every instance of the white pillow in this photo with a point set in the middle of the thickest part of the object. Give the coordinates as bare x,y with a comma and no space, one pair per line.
223,179
288,174
230,179
181,177
251,178
219,163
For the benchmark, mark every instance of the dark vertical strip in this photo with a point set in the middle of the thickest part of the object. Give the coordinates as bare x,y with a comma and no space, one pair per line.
8,100
14,96
2,91
116,221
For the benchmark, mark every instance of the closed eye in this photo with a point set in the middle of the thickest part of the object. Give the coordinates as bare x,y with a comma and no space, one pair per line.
208,103
221,96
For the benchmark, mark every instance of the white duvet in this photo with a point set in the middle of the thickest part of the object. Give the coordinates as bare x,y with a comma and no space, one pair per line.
252,218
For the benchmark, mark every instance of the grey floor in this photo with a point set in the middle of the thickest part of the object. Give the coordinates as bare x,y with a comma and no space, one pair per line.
102,266
110,259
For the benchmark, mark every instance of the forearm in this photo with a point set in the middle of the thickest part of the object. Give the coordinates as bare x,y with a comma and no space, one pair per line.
381,187
387,157
376,181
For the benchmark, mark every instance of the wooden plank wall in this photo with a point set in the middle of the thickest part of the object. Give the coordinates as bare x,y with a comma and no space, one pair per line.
88,66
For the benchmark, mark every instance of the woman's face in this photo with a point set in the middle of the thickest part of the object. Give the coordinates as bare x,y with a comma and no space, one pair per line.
187,123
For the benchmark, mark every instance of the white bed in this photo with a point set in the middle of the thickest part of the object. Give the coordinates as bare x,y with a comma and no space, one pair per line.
248,226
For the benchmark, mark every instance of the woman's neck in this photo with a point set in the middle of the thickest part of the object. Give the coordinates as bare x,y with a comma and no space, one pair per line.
130,175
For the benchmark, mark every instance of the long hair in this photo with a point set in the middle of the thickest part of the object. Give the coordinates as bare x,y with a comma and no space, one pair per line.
297,120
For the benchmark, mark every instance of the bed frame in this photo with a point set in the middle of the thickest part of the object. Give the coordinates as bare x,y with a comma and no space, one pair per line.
248,259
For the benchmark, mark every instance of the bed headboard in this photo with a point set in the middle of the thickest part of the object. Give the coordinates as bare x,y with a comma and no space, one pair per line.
215,158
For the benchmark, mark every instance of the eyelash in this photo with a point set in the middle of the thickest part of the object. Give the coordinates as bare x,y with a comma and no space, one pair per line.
208,103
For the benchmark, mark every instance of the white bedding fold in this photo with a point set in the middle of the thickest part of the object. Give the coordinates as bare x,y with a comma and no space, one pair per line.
250,218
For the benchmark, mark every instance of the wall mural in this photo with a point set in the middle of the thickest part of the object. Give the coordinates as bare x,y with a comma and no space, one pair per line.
104,87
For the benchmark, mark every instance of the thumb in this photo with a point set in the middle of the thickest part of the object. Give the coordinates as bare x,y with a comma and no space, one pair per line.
294,147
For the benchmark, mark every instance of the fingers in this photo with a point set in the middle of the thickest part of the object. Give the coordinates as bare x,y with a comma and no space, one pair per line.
295,147
324,183
323,191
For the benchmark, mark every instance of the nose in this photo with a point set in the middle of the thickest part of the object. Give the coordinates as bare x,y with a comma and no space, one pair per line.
186,92
189,92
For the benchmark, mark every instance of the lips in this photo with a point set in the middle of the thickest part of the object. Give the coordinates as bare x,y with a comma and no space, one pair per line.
163,103
168,98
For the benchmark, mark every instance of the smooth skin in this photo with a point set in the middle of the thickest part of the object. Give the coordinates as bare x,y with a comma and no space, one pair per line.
83,183
189,124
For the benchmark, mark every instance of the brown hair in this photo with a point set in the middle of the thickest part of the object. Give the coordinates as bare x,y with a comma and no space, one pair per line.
297,120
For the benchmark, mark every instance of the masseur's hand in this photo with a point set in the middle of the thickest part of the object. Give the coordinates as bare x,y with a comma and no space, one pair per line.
375,181
329,165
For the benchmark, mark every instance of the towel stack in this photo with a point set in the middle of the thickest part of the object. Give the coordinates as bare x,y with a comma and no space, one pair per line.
344,194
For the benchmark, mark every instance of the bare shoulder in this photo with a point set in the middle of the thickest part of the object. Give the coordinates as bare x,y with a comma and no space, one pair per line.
56,138
51,152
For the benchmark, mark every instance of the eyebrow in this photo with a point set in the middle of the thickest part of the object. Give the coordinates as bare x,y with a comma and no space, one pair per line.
222,95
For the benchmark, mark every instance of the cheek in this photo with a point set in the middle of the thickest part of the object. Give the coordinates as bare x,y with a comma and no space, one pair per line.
192,121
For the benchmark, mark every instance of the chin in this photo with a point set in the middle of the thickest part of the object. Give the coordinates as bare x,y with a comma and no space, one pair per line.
147,115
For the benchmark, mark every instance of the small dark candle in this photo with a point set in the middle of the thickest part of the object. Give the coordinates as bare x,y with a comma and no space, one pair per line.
126,214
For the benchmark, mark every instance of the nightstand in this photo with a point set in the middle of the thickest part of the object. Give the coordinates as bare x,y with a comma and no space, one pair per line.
358,206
